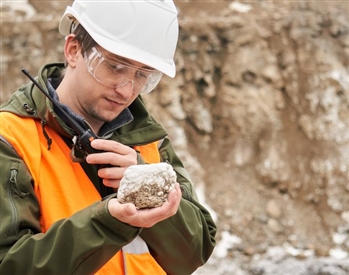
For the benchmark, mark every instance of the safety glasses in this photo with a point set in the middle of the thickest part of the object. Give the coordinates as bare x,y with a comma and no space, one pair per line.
117,73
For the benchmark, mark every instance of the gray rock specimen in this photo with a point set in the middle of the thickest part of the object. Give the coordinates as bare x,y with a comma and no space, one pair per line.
147,185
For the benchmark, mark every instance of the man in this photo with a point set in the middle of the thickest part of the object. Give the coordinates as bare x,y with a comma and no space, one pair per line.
59,208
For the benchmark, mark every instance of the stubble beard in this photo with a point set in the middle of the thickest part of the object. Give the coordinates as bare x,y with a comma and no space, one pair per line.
96,114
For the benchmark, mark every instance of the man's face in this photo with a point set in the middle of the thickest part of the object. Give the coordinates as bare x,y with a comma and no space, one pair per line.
92,99
102,102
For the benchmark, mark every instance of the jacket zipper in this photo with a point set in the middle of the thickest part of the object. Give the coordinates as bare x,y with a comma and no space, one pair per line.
10,191
14,222
6,142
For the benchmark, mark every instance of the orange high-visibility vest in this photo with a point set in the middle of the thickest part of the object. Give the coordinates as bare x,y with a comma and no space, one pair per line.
64,189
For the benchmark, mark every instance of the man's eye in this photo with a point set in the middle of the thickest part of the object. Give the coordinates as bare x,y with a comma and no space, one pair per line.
116,67
141,76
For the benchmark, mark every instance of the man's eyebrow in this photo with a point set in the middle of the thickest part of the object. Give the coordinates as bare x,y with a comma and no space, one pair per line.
127,61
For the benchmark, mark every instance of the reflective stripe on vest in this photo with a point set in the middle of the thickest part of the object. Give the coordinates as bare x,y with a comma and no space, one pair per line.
26,136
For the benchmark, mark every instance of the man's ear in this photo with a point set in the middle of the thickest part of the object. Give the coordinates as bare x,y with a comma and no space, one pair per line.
72,50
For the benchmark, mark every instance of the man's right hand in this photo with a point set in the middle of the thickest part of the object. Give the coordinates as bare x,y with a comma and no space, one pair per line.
129,214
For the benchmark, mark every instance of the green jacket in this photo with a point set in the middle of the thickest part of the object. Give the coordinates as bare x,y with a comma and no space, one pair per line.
179,244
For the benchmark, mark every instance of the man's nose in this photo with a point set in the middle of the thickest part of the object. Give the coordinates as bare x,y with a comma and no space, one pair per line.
126,88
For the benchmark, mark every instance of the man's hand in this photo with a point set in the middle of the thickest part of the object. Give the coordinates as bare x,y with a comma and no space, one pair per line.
129,214
115,155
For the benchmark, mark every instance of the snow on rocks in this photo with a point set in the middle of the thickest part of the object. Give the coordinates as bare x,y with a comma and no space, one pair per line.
147,185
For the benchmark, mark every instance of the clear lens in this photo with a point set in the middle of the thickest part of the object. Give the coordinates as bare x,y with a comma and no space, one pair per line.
117,73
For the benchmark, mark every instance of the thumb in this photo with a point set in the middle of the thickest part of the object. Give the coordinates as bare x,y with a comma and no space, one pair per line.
129,209
118,210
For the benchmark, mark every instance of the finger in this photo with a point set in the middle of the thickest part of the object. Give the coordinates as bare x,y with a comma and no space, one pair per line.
111,146
121,211
111,183
112,172
112,158
101,158
175,195
111,176
128,210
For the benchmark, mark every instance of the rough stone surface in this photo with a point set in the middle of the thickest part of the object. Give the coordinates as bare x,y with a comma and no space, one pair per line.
147,185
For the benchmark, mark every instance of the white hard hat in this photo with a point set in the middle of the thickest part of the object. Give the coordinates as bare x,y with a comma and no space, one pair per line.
142,30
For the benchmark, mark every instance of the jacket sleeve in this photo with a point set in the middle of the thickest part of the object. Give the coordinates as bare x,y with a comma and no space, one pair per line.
185,241
24,249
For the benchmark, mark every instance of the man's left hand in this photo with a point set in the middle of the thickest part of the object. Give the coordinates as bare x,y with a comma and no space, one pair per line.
116,158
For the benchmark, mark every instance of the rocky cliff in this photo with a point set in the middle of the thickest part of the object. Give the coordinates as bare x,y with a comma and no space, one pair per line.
259,112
